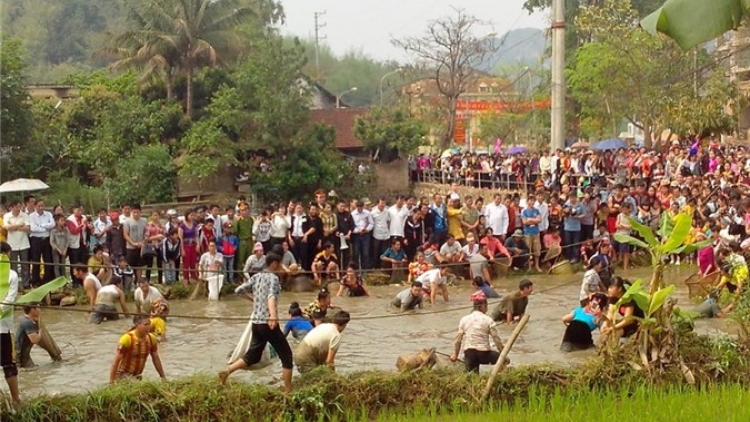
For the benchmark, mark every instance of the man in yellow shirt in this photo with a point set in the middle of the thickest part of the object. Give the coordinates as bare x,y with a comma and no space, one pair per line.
455,212
133,351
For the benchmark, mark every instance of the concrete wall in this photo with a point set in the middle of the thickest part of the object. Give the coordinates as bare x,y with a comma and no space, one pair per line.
429,189
391,179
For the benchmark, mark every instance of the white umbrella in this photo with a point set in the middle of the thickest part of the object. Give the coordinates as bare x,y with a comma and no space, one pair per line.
22,185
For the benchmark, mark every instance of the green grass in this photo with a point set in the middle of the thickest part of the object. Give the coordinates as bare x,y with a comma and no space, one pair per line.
719,403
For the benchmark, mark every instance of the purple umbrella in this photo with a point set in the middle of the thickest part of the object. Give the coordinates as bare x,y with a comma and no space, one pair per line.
517,150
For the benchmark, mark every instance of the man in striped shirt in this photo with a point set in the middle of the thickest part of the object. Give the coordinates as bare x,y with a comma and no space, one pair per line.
263,289
133,351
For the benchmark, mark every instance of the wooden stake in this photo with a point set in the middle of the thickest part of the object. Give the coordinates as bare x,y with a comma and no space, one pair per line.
500,364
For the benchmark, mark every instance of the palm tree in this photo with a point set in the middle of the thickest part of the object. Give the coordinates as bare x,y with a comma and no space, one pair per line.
182,35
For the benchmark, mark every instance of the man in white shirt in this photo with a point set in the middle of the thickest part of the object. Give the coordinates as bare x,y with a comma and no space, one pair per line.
8,294
363,225
541,206
41,223
319,347
17,225
496,214
144,295
381,235
474,333
101,227
398,214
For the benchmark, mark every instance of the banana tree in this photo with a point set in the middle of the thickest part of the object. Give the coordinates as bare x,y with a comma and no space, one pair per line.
670,239
693,22
656,341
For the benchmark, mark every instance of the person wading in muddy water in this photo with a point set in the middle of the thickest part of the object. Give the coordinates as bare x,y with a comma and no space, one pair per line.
133,351
477,329
319,347
264,289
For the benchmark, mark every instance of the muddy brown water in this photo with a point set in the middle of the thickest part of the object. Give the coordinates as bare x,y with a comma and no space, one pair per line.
202,346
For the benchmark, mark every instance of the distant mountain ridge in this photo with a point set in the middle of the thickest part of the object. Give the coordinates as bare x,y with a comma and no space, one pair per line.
525,46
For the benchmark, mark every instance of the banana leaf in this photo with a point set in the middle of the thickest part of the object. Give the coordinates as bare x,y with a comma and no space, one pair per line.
38,294
693,22
657,300
682,224
645,231
665,226
630,240
693,247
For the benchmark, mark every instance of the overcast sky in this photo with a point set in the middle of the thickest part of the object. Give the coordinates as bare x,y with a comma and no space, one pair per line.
369,25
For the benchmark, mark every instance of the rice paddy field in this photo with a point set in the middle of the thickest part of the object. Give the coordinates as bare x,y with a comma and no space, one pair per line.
719,403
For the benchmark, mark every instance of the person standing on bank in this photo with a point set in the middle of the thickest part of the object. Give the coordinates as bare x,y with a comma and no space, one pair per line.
477,328
264,289
16,222
134,230
8,293
41,223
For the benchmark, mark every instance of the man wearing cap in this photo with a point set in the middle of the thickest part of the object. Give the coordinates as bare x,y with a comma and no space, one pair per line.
518,249
243,228
477,329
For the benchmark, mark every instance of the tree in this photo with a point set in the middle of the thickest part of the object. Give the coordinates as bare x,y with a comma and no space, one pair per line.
183,35
302,170
608,78
450,52
15,116
656,340
390,130
147,178
573,38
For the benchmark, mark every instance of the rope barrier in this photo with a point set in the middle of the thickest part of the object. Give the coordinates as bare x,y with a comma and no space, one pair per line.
299,272
245,319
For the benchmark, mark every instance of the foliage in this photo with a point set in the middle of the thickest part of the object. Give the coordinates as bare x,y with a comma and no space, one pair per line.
148,176
302,170
181,36
390,129
15,117
205,148
321,395
707,114
691,23
272,100
573,38
67,191
106,126
450,53
608,80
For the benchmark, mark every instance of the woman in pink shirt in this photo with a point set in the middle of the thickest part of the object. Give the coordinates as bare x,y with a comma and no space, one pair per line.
706,262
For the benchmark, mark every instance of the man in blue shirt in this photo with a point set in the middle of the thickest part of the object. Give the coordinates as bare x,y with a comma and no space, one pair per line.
574,212
395,259
531,218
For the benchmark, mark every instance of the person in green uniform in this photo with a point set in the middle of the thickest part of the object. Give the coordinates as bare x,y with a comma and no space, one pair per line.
244,230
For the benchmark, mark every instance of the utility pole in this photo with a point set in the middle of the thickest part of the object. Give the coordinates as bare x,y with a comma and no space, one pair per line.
557,135
318,38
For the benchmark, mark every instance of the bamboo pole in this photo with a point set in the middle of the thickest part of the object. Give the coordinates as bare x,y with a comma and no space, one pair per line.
500,364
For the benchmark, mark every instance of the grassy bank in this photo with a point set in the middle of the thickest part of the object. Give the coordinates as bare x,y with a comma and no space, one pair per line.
715,362
717,403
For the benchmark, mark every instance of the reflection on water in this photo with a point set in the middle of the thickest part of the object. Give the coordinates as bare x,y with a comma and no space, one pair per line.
203,345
